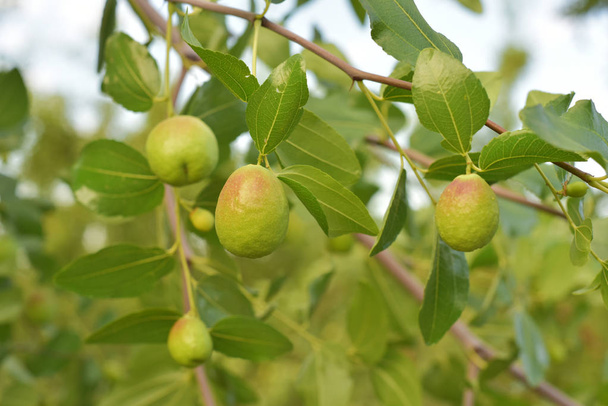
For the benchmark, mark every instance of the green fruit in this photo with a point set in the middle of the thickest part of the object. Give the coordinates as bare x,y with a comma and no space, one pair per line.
189,341
40,306
576,189
342,243
202,219
252,213
182,150
467,213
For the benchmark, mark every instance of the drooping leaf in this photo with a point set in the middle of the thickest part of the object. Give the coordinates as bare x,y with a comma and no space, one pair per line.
513,152
445,294
532,351
324,378
113,179
396,380
395,217
367,323
108,22
343,211
231,71
399,28
581,129
248,338
316,290
449,99
117,271
150,326
315,143
132,77
219,297
275,109
581,243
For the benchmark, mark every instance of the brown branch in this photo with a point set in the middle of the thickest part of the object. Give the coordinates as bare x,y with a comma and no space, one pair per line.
499,190
460,330
468,397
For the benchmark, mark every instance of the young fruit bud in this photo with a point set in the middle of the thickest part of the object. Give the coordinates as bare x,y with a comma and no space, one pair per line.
202,219
182,150
343,243
189,341
252,213
467,213
576,189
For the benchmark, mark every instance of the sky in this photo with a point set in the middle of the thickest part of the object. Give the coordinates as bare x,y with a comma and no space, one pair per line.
55,45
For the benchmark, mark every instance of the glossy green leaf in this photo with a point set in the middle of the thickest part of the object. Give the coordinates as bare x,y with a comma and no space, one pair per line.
231,71
367,323
344,212
248,338
316,290
324,378
113,179
513,152
219,297
132,78
445,294
315,143
581,129
399,28
219,109
14,102
449,99
396,380
149,326
117,271
108,22
532,351
403,71
395,217
581,243
275,109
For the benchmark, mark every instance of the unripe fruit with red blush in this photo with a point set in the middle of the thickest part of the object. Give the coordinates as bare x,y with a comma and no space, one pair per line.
189,341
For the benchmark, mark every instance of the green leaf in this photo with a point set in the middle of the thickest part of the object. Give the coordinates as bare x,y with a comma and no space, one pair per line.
231,71
132,78
532,351
367,323
395,217
473,5
449,99
344,212
593,286
117,271
316,290
398,27
604,283
396,380
113,179
445,294
14,102
315,143
275,109
219,297
108,22
324,378
273,48
248,338
325,71
449,167
513,152
20,394
56,354
359,10
403,71
150,326
492,82
581,243
581,129
11,304
557,103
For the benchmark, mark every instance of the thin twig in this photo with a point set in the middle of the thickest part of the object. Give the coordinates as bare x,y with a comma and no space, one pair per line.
468,397
460,330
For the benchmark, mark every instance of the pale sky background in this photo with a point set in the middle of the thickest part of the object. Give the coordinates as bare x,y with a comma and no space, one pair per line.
54,43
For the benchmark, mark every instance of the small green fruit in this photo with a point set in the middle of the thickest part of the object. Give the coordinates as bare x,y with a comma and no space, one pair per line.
576,189
182,150
343,243
467,213
189,341
252,213
202,219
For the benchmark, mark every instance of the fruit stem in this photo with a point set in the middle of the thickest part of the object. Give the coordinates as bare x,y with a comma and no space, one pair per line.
182,256
169,41
370,98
